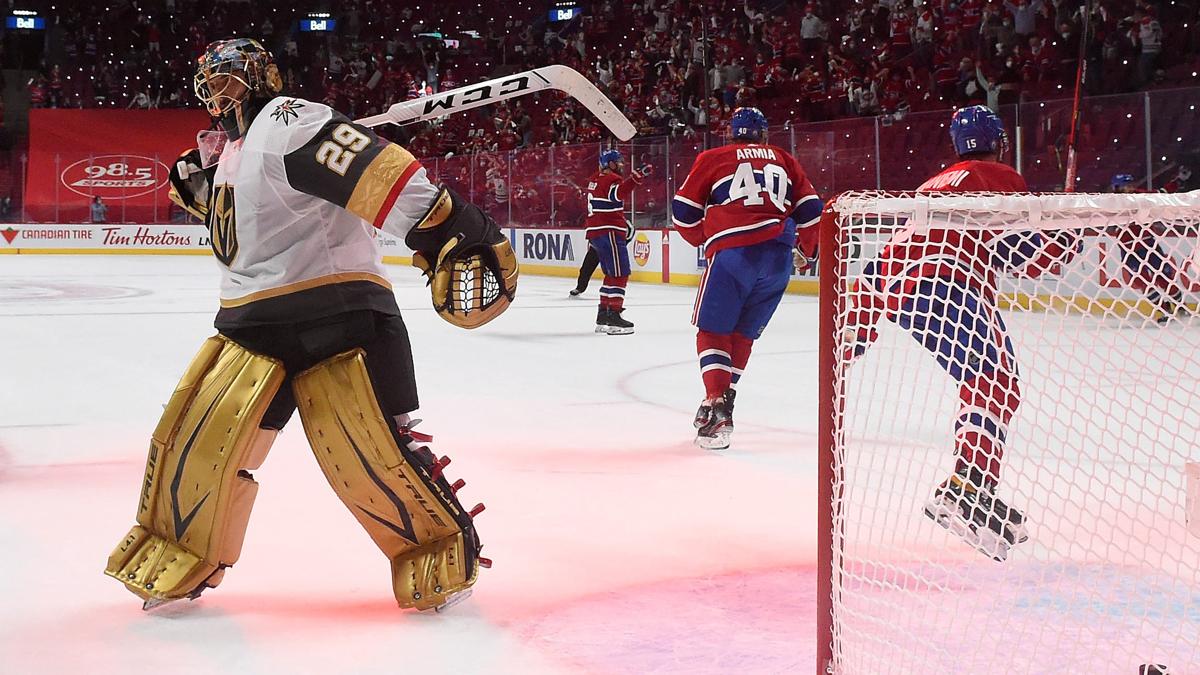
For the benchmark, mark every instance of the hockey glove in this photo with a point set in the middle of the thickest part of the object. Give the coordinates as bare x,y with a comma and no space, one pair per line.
471,268
190,184
856,341
802,262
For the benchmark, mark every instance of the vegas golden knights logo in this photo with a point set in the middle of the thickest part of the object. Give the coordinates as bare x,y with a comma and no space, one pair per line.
222,224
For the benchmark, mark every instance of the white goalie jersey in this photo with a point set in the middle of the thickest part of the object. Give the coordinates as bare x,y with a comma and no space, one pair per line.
291,211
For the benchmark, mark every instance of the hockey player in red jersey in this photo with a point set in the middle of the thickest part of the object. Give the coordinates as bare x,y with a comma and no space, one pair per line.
608,234
940,286
744,202
1145,266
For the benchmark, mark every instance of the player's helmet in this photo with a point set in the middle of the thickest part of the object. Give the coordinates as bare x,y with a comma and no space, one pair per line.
1121,181
224,66
748,124
609,156
976,129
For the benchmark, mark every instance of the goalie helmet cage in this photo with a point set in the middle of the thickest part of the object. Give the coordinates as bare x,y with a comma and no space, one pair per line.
1097,454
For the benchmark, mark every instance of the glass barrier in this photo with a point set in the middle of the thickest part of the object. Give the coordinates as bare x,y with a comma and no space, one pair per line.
1148,135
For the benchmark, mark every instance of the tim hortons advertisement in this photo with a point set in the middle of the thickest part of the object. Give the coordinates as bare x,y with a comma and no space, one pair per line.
120,156
65,238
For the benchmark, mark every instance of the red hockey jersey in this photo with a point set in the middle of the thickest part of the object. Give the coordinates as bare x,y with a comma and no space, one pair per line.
971,257
740,195
606,195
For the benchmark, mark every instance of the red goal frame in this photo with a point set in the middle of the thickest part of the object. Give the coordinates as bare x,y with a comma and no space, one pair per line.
827,267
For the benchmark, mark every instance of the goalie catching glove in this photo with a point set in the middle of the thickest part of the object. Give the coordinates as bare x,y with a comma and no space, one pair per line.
471,267
190,184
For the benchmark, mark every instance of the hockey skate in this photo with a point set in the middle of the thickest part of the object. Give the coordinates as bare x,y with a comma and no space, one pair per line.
575,292
610,322
1170,311
716,427
152,604
976,515
452,601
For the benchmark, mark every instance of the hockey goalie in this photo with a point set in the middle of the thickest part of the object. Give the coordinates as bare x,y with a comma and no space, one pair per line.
308,321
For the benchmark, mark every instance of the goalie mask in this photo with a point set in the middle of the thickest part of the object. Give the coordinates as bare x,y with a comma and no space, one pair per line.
233,79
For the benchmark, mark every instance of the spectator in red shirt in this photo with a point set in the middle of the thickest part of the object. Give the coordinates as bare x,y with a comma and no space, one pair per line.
902,25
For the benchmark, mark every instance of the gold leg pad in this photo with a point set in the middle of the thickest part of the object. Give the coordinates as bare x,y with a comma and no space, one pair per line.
423,578
155,568
197,494
416,522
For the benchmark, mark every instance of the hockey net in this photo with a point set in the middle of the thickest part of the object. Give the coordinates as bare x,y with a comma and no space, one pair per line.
1097,455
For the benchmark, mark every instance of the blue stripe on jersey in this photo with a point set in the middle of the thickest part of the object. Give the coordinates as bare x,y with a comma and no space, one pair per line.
769,222
604,205
979,420
808,211
719,194
685,214
711,359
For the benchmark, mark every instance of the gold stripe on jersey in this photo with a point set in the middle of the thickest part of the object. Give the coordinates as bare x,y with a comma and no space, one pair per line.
438,213
339,278
377,182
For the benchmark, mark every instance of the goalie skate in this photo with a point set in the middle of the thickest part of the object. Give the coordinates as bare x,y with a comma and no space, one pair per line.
977,516
152,604
452,601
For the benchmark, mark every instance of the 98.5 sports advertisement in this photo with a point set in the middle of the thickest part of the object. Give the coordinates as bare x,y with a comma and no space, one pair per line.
120,156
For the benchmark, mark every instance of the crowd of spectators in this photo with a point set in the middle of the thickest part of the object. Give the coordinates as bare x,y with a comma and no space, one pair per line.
676,67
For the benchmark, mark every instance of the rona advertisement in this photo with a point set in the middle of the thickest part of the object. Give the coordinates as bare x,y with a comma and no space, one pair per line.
121,156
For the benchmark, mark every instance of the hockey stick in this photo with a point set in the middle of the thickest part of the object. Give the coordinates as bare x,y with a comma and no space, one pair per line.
1080,75
561,78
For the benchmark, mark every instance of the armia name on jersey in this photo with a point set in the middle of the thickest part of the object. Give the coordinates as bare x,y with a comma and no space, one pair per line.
756,153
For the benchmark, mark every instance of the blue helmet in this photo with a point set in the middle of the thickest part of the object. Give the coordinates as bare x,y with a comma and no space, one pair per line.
748,124
607,156
1121,180
977,129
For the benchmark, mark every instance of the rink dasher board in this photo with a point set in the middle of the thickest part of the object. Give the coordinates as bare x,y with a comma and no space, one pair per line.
655,256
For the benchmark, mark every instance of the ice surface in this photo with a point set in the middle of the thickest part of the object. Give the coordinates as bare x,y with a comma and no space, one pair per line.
619,547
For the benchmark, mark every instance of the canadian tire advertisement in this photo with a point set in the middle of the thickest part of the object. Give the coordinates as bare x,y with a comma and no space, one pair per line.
121,156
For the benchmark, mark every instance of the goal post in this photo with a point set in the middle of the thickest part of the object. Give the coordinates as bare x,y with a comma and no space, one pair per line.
1093,310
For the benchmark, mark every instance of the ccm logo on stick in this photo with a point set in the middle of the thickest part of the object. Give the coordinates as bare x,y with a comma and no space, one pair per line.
477,94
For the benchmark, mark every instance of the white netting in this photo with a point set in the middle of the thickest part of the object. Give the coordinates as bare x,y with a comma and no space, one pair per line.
1107,345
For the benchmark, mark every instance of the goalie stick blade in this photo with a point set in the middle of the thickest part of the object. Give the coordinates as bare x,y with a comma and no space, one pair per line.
561,78
578,87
